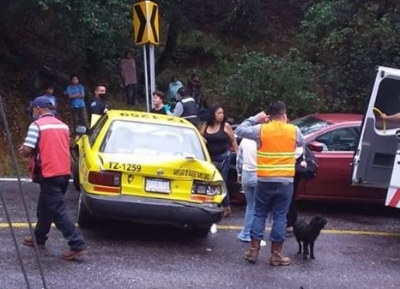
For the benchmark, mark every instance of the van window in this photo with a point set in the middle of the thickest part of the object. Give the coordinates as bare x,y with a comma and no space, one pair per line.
388,101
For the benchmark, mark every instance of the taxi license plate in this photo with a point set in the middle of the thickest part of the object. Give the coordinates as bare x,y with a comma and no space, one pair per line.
158,186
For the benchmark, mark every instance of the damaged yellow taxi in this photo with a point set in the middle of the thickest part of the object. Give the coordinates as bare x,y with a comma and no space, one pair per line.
146,168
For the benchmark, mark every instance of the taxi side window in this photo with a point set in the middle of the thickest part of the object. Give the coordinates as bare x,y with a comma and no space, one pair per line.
95,130
341,139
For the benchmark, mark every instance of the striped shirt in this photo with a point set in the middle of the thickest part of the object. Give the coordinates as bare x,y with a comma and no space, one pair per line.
32,136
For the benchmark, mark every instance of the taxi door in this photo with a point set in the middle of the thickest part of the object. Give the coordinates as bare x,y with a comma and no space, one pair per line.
376,161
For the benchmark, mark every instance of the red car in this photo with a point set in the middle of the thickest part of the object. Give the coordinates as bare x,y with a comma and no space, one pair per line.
333,138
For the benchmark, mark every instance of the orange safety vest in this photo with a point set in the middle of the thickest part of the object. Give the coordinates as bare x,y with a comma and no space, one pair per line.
53,147
276,154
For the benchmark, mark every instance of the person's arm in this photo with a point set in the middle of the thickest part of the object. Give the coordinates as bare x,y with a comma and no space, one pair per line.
231,134
178,111
239,164
299,138
81,91
250,128
393,117
31,140
70,94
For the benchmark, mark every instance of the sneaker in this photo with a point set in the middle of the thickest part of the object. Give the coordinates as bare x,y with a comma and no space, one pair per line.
241,238
29,242
72,254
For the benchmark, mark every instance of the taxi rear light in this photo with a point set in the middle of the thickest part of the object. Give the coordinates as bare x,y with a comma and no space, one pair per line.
110,179
207,189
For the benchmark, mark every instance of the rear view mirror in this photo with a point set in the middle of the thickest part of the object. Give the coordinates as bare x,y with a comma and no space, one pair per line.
316,146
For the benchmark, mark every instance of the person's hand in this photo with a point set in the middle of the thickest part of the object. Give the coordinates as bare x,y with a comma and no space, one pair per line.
384,116
261,117
21,149
239,179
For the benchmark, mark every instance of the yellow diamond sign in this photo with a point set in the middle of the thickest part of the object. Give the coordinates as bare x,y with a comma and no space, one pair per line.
145,23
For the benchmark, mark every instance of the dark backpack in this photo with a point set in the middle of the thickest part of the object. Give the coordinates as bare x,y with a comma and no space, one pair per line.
310,171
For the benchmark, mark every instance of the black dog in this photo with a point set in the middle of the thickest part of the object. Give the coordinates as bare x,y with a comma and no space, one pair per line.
308,233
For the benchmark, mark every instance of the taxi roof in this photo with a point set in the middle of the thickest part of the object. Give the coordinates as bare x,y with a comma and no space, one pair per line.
147,117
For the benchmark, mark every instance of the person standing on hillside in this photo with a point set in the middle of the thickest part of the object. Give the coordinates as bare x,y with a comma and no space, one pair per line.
276,141
173,88
194,87
47,142
49,92
76,93
128,72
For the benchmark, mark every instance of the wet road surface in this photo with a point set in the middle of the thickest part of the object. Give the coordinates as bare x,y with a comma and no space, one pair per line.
360,248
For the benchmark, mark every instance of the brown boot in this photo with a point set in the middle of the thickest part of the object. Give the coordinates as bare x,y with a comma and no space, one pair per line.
30,242
72,254
252,254
227,212
276,258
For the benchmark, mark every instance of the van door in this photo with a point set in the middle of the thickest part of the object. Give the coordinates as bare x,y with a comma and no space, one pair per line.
393,194
374,158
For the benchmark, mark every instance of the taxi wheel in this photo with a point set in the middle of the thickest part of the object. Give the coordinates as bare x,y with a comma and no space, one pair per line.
201,231
75,176
85,218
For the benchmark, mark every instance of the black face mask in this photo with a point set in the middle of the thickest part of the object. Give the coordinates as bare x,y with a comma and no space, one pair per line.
102,95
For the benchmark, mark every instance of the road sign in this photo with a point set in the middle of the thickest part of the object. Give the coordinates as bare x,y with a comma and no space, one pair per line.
145,23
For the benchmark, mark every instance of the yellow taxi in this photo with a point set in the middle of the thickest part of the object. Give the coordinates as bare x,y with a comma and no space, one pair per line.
146,168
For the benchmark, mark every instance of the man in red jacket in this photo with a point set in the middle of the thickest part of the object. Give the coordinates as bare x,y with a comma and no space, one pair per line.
48,142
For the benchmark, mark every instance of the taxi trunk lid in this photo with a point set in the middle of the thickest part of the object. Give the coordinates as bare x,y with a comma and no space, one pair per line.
160,177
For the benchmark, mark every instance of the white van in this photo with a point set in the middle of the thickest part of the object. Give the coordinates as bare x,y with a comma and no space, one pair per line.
376,161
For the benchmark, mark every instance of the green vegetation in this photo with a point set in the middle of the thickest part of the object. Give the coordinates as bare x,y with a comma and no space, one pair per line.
317,55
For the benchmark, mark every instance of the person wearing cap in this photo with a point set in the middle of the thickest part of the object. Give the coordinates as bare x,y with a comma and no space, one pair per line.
276,142
186,107
47,143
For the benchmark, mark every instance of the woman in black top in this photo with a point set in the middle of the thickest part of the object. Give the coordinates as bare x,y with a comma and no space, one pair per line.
158,101
219,137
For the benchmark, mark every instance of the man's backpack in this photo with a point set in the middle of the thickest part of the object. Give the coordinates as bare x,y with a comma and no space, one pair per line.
310,171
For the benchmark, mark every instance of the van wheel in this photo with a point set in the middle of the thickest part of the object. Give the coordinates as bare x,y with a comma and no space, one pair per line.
85,218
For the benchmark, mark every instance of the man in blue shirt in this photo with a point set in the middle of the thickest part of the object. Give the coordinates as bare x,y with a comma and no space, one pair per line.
48,92
76,93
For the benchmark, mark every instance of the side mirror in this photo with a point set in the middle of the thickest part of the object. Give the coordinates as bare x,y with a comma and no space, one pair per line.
316,146
80,130
398,134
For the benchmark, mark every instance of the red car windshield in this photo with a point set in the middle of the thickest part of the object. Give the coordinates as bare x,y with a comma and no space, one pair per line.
310,124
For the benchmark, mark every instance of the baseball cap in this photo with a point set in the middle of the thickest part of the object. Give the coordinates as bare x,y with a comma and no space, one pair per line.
42,102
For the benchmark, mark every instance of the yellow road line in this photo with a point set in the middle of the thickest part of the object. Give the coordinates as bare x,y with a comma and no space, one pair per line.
236,228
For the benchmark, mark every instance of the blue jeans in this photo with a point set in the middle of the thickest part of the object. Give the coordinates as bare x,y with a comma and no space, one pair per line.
223,169
249,184
275,198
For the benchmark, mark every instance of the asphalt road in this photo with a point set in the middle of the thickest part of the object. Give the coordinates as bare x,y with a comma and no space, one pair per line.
360,248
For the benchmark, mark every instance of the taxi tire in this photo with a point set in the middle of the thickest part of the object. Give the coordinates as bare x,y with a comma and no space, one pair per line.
85,218
75,176
201,231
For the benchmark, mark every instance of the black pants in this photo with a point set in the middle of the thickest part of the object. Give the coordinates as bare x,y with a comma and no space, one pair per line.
52,209
131,91
291,216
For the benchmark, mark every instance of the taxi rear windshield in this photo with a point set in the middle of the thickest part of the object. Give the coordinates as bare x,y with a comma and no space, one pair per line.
151,139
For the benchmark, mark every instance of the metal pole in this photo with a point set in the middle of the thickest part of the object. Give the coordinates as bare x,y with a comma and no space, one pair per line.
152,72
146,78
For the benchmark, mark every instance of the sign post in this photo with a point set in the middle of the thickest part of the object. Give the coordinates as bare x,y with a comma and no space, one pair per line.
146,33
